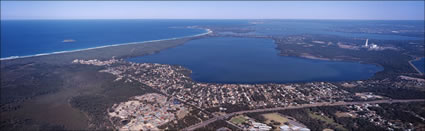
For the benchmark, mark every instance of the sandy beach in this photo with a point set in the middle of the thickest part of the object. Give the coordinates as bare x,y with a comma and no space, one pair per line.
208,31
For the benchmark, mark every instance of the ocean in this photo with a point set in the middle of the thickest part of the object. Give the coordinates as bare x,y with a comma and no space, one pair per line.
31,37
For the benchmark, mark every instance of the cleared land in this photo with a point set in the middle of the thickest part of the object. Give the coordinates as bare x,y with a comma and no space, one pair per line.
275,117
238,119
344,114
326,119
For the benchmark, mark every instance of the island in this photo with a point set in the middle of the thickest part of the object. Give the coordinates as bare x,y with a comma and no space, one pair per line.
68,41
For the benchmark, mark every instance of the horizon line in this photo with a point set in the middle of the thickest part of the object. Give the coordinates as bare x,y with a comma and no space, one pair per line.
218,19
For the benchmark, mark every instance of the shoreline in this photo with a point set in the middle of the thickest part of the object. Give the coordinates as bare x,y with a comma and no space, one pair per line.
414,67
208,31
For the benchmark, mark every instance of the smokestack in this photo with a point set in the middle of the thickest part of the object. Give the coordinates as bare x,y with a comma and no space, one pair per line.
366,43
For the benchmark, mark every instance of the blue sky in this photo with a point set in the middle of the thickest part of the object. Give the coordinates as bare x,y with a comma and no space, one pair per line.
376,10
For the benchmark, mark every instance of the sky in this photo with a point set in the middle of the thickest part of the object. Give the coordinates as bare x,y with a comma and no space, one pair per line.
362,10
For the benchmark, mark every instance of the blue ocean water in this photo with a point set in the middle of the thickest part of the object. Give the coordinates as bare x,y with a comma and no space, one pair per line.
253,60
30,37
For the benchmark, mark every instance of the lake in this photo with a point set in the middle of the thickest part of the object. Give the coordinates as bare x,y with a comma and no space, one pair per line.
253,60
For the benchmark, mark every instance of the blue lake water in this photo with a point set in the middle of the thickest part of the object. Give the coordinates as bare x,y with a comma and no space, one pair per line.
253,60
420,64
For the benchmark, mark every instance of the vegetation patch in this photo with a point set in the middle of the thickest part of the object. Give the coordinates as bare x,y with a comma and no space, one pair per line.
238,119
326,119
344,114
275,119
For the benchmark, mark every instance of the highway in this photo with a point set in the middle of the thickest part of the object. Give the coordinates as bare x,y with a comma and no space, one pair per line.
205,123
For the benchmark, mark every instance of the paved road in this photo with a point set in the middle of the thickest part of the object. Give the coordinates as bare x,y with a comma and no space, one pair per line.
417,70
204,123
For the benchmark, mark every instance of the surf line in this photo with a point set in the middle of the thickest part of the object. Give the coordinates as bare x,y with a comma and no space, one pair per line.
208,31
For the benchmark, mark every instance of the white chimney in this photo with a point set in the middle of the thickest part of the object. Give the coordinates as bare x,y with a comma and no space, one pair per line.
366,43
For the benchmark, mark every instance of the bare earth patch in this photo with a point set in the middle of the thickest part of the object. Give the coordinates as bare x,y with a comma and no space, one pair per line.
345,46
309,56
345,114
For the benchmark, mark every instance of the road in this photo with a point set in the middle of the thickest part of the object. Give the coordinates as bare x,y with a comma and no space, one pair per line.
417,70
204,123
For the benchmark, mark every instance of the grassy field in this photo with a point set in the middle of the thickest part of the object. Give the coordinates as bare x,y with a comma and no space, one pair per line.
326,119
344,114
238,119
275,117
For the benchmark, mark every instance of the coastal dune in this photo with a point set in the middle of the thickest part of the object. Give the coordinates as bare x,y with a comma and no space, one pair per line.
124,50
